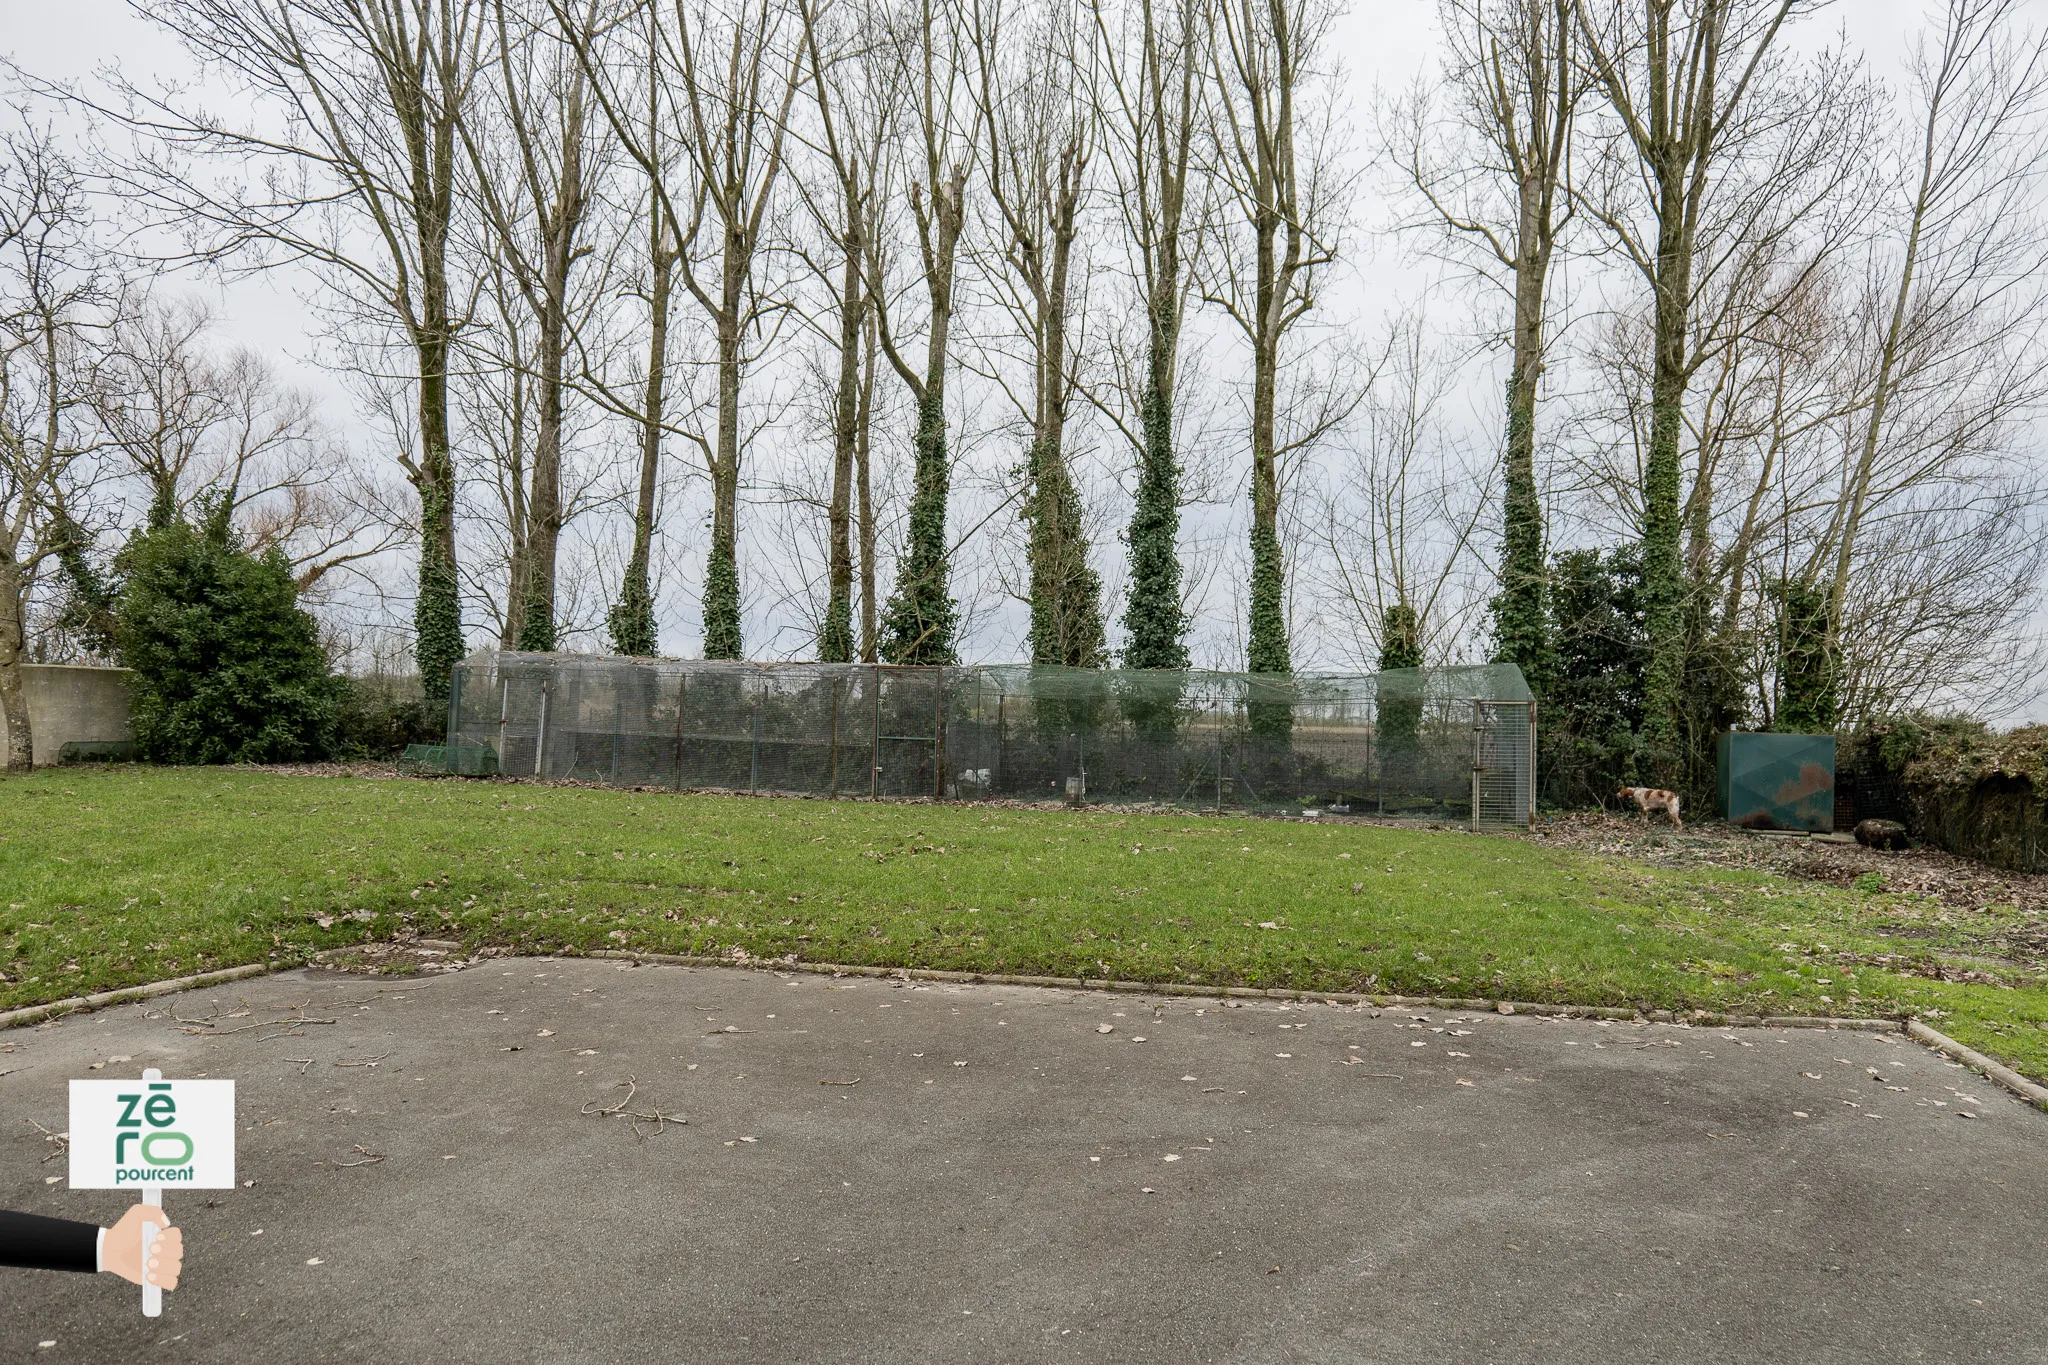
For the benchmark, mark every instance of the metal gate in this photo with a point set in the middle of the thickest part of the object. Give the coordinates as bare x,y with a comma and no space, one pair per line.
1503,763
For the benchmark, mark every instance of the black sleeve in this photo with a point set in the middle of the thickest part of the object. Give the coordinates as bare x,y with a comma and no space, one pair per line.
37,1243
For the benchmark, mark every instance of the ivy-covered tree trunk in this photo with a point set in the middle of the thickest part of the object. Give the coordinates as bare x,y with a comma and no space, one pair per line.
721,568
1066,616
921,618
1398,704
632,618
1267,650
1155,626
437,611
835,635
1808,667
1664,581
1520,614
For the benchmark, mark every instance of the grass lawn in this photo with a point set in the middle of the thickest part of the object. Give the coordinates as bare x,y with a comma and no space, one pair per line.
115,876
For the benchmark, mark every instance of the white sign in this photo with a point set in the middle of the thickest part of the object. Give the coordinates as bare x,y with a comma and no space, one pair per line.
177,1135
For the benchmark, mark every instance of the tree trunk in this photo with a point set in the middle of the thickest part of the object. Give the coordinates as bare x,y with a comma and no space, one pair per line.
1664,583
1154,623
1520,614
1066,612
13,654
632,621
1267,650
722,638
868,634
921,618
437,611
835,639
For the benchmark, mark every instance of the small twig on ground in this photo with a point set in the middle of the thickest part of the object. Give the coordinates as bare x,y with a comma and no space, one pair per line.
63,1140
370,1158
365,1061
301,1062
854,1081
655,1116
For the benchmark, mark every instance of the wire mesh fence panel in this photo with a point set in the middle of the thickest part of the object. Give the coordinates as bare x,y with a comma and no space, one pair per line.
1399,743
1503,762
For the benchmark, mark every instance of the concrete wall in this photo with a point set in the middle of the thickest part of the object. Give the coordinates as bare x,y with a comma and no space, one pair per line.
67,702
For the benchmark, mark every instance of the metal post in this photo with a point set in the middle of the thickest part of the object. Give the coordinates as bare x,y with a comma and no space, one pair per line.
618,722
833,789
939,734
1002,724
754,758
682,695
1476,768
1532,764
1217,711
540,738
504,714
875,756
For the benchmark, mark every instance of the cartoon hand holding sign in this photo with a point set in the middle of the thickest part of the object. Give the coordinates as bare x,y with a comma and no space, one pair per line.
148,1134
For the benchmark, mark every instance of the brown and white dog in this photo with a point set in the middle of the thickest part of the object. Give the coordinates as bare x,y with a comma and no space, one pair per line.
1648,799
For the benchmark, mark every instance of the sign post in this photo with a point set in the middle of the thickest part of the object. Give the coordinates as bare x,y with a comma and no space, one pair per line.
148,1134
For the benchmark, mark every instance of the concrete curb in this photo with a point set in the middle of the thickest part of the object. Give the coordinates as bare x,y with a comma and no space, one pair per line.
1977,1061
34,1014
1436,1002
1913,1028
1996,1071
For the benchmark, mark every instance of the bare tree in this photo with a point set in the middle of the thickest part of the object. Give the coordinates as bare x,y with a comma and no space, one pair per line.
1275,152
1156,94
53,299
1399,511
530,148
1040,129
1693,91
852,93
358,180
185,420
921,619
1495,188
1965,268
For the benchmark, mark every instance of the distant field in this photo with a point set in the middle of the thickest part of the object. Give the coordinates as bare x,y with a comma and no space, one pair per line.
116,876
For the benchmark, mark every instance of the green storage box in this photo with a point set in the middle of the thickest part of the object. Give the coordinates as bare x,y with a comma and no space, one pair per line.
1778,781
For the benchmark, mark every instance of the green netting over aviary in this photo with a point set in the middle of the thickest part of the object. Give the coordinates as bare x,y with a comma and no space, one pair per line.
1442,743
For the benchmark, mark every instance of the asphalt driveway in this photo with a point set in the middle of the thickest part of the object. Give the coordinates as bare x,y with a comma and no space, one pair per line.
883,1170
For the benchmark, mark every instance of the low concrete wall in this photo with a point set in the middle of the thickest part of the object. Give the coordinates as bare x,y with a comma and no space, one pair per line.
68,703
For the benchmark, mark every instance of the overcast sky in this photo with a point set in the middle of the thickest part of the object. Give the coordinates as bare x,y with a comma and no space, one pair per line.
1381,44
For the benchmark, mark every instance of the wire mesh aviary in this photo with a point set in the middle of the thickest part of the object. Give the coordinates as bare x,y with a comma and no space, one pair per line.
1442,743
